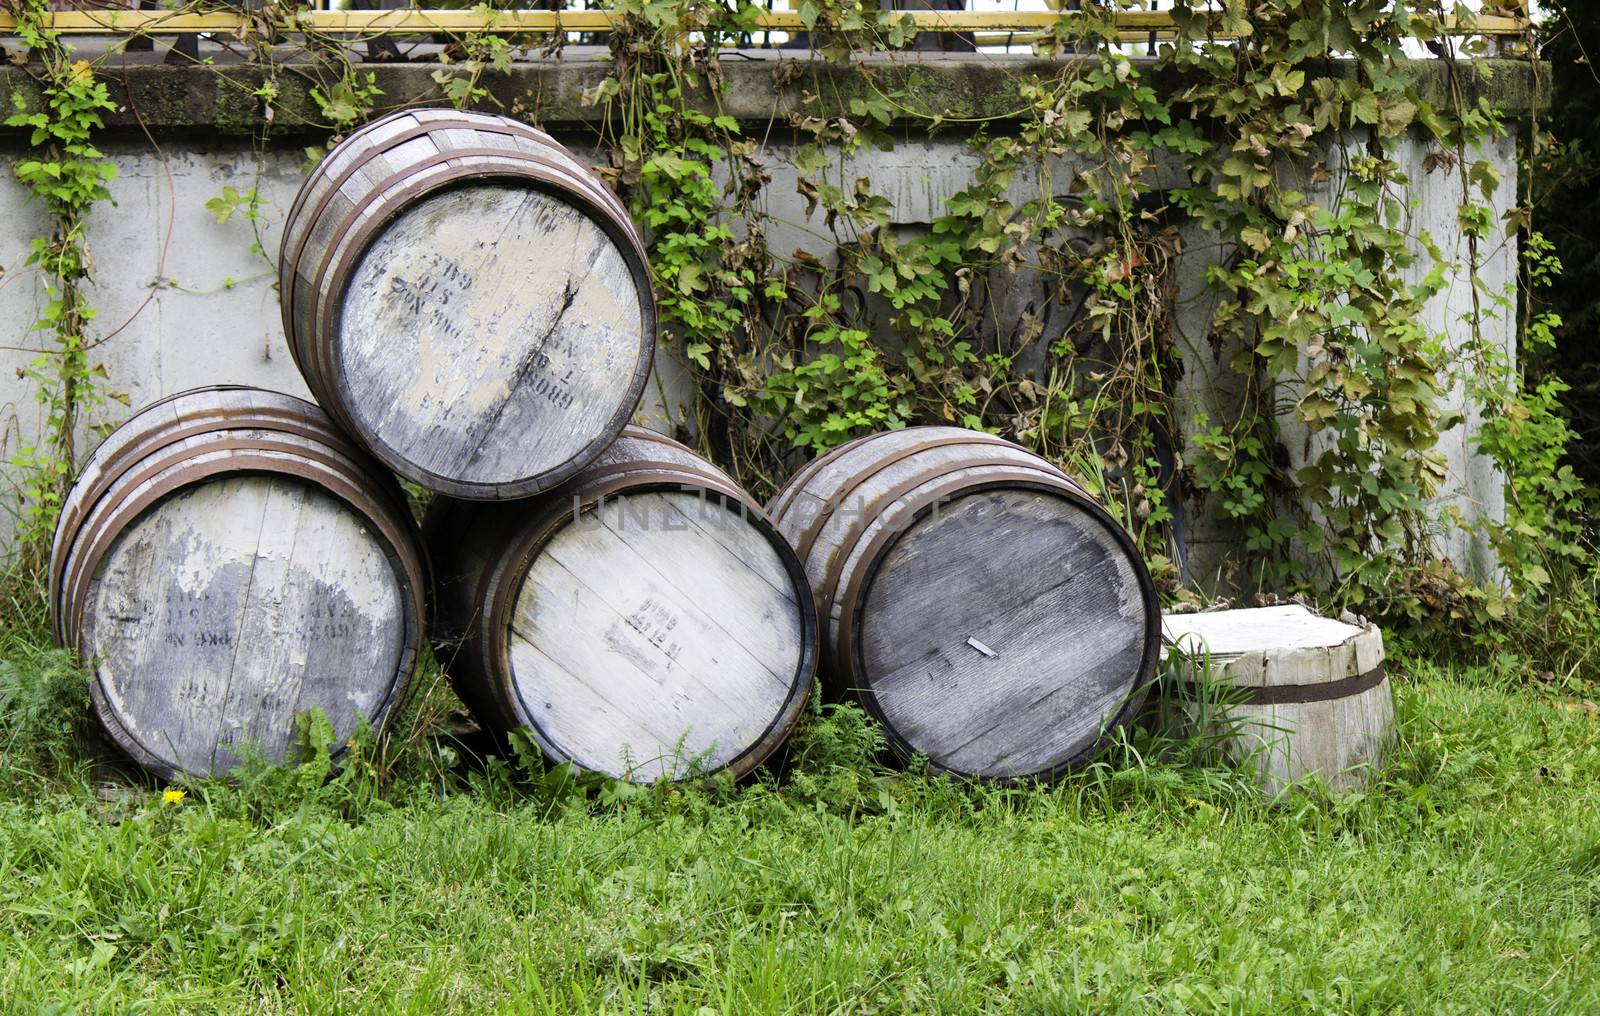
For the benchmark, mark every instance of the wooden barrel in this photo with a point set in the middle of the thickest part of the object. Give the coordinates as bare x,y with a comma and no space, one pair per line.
469,300
226,560
1296,696
645,620
979,603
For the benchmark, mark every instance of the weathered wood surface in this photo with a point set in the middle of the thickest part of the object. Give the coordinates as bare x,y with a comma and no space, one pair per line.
469,300
225,561
974,598
644,620
1329,712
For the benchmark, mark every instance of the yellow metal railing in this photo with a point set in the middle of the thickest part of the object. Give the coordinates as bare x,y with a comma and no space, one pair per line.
120,22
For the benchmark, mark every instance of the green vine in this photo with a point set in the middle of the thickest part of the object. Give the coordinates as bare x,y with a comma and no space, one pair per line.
69,175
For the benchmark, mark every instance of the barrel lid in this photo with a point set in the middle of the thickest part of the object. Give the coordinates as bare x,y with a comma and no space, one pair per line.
1268,647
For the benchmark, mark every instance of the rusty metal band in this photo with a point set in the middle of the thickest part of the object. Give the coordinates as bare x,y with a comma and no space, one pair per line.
548,146
1295,694
852,483
98,476
500,596
850,670
636,433
810,471
485,123
334,382
162,477
424,126
886,502
112,517
154,462
290,284
589,481
584,184
87,563
700,462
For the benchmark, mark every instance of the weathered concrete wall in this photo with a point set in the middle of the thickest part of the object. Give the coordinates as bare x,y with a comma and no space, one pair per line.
185,301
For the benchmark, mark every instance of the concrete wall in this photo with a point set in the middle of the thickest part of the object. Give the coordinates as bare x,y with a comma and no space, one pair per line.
185,301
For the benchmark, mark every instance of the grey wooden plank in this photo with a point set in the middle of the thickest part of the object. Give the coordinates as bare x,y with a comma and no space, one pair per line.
1043,585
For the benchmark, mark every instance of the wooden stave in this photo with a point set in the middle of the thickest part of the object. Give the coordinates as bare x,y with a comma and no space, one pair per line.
422,122
145,482
311,299
1290,743
493,563
849,565
856,465
216,453
152,481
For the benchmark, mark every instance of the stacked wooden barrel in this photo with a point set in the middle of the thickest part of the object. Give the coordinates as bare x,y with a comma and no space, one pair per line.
977,600
643,620
228,559
469,300
472,309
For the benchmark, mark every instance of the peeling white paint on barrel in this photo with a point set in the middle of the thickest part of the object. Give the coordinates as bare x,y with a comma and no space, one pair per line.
225,562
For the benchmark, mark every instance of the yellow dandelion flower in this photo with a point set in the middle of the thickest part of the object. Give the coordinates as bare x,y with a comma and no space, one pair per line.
172,795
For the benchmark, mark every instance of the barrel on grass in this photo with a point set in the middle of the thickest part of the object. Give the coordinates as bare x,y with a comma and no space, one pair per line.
976,599
225,561
644,620
1294,695
468,300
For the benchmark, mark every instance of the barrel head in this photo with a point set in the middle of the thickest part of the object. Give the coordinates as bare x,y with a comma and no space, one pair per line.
1001,631
659,634
490,340
222,611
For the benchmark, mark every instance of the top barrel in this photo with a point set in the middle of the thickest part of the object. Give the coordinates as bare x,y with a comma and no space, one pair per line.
468,300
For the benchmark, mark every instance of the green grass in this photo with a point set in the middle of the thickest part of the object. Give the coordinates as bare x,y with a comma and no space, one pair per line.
1467,881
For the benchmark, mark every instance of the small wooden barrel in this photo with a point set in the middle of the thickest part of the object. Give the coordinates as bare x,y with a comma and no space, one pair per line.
644,620
469,300
1304,697
226,560
980,604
